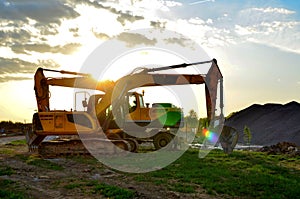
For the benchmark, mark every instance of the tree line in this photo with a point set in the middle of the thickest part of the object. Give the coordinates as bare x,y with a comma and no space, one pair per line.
7,126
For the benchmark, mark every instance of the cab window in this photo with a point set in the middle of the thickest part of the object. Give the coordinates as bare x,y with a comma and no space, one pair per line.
141,101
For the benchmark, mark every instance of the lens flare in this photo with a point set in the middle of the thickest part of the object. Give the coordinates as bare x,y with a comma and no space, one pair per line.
211,136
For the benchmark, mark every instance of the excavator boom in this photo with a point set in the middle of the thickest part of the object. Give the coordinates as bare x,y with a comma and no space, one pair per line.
146,79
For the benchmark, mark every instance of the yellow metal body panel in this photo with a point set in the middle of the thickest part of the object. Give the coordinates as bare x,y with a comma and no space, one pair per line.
66,123
139,114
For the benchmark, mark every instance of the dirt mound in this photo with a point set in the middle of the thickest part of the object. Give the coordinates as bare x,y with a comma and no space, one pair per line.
269,123
282,148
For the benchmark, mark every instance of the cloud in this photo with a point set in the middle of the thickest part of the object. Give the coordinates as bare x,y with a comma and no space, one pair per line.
19,35
158,24
196,21
45,48
203,1
15,65
12,78
133,39
274,10
180,41
101,36
74,31
14,69
257,15
147,6
172,3
270,26
43,11
47,29
27,21
49,63
123,17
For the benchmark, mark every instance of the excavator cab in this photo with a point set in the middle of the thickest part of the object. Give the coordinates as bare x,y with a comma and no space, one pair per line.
160,115
138,112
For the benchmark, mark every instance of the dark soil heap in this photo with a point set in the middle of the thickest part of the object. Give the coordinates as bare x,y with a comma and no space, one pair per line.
269,123
282,148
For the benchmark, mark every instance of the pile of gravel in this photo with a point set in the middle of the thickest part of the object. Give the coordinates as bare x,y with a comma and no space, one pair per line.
269,123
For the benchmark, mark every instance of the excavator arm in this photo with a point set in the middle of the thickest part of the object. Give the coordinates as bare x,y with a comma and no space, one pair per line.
146,78
84,81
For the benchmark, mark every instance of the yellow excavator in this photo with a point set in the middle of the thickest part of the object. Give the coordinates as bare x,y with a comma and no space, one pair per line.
118,114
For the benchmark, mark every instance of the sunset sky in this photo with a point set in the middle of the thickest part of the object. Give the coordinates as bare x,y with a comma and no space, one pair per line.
256,43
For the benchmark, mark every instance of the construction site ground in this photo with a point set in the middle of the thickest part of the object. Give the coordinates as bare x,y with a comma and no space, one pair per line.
30,176
26,175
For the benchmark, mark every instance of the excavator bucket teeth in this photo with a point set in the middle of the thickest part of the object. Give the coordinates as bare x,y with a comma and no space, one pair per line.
32,148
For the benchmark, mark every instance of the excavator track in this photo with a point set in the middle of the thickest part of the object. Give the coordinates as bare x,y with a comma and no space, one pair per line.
64,147
56,148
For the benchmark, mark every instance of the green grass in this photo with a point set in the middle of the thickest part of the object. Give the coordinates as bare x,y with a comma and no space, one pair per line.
103,189
8,191
6,171
182,188
45,164
39,162
113,191
6,151
11,148
90,160
254,174
18,142
72,185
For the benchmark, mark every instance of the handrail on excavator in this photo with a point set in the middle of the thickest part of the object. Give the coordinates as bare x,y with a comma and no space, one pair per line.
67,72
180,65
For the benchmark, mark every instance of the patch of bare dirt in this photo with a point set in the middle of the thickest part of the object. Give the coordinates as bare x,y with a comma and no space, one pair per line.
8,139
72,181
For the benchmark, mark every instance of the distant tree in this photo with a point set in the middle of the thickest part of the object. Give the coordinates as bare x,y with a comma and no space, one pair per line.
247,136
192,119
7,125
193,114
203,123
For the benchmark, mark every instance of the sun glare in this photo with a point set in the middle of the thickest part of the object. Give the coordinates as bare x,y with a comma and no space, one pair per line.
186,96
125,64
18,99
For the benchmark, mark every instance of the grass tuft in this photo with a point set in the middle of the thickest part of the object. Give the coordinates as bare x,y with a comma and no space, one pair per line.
7,190
39,162
18,142
6,171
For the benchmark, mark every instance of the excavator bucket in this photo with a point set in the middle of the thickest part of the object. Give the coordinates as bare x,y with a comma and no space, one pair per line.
228,139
